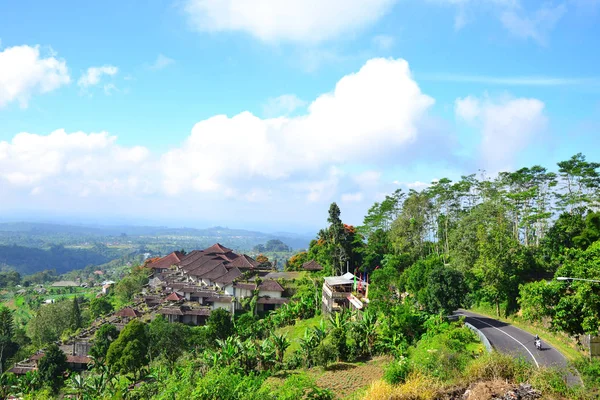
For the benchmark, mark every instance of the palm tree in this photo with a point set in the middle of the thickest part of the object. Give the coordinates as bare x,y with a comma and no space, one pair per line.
281,344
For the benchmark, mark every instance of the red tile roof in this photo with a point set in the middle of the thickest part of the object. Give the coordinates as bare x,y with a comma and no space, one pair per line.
127,312
229,277
217,248
244,262
173,297
271,286
312,265
165,263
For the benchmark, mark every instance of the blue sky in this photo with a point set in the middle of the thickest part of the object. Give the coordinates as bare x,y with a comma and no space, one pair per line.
258,114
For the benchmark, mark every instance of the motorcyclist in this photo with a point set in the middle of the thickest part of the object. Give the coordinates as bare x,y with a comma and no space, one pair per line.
538,342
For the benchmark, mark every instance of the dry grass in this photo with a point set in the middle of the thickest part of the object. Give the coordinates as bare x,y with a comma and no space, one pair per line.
416,387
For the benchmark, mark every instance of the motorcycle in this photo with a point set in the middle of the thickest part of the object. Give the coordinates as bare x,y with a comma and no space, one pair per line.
538,344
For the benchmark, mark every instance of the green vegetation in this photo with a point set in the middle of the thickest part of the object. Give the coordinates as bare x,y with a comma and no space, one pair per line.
482,243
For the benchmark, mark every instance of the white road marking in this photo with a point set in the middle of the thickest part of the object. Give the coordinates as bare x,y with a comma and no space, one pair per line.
510,336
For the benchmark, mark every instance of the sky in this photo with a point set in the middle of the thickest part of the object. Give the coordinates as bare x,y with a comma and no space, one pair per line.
258,114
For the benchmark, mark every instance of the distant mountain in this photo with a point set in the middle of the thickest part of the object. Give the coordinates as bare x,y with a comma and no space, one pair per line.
29,247
40,234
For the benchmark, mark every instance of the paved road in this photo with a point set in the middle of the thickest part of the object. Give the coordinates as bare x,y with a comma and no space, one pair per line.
506,338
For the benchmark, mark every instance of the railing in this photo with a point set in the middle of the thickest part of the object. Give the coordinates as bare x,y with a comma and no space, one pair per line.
484,340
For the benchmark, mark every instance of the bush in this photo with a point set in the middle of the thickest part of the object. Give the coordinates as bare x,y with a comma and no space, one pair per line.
494,366
397,371
324,354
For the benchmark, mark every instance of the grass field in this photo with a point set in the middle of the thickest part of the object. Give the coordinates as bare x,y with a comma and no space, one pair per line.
295,332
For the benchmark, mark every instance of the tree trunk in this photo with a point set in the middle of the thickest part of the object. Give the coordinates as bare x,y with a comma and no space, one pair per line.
497,308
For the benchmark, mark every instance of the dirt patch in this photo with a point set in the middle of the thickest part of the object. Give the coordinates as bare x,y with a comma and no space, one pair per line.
345,378
487,390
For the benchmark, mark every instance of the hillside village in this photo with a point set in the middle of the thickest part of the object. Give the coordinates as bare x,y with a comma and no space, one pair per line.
187,287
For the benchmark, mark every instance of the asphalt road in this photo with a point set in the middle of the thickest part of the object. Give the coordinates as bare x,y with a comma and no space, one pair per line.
508,339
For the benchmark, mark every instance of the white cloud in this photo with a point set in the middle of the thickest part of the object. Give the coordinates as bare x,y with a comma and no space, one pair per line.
369,118
507,126
282,105
286,20
384,42
73,161
352,197
416,185
369,115
161,62
536,26
467,108
368,179
93,75
24,72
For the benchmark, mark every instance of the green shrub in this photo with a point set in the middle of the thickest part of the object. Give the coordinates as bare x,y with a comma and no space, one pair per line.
397,371
324,354
496,366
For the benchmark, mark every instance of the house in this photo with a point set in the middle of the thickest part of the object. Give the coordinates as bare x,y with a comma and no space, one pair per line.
165,263
194,284
75,362
127,314
106,288
312,265
337,294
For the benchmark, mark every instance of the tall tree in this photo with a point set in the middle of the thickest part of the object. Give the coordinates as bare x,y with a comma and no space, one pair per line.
7,345
409,230
52,366
75,321
129,352
579,180
337,238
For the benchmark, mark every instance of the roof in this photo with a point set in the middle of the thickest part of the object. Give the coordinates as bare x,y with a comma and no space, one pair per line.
245,262
21,370
170,311
219,299
190,257
276,300
355,301
229,277
271,286
217,248
214,273
205,268
64,284
247,286
78,359
349,275
127,312
312,265
173,297
198,311
337,280
165,263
